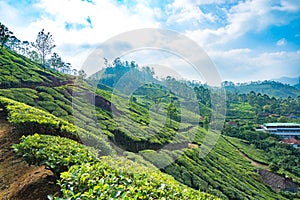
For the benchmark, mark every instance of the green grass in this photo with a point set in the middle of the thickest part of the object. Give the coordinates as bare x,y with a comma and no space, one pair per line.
249,149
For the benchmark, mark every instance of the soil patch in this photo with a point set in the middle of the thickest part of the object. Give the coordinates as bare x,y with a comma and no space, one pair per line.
18,180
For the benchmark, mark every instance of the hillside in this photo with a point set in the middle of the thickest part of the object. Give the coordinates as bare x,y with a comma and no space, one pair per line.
85,132
288,80
19,71
270,88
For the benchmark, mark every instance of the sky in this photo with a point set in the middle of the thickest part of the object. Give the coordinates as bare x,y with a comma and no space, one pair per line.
247,40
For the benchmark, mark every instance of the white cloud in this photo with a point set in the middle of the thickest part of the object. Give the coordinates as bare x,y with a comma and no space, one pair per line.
244,65
107,17
288,5
248,16
10,16
184,11
281,42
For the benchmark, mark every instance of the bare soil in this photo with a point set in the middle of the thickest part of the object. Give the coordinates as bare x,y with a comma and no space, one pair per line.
18,180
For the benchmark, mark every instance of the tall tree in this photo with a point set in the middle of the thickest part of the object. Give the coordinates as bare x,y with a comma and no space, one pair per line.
44,44
81,74
56,62
205,123
5,34
67,68
171,111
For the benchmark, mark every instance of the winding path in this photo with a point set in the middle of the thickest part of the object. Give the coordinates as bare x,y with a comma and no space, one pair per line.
253,162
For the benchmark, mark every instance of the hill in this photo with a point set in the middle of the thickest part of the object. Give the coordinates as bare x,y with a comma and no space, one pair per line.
288,80
270,88
19,71
84,133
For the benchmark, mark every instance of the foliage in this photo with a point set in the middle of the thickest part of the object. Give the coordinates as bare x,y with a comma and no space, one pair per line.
57,153
116,178
223,172
270,88
140,124
5,34
29,120
249,149
17,71
107,178
44,44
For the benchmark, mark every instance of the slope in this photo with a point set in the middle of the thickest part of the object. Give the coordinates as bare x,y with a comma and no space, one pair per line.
19,71
18,180
103,112
270,88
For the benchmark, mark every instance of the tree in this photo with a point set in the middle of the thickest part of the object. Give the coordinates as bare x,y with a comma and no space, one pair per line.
24,48
105,62
171,110
5,34
44,45
67,68
205,123
282,119
13,43
34,56
81,74
56,62
74,72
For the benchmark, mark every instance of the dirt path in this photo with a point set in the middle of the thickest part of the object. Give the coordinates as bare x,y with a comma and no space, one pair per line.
19,181
253,162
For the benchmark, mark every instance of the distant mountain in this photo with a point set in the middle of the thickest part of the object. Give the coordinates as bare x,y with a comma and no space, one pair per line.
271,88
288,80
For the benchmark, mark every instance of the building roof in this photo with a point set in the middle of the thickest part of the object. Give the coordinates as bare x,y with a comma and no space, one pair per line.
281,124
291,141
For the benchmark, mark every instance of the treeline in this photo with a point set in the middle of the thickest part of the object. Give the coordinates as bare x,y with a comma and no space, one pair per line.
38,51
265,108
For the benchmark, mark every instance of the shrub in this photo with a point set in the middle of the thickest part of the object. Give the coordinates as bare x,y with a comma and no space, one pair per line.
29,120
116,178
58,153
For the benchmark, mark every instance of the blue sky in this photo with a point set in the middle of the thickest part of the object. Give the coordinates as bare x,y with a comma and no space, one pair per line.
247,40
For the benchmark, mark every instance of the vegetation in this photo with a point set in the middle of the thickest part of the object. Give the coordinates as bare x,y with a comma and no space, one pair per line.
107,178
249,149
43,44
18,71
5,34
163,124
57,153
29,120
270,88
111,180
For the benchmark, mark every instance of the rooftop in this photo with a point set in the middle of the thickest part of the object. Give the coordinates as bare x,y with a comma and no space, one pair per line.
281,124
291,141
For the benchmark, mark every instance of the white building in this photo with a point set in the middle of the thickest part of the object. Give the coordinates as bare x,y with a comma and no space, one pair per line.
282,129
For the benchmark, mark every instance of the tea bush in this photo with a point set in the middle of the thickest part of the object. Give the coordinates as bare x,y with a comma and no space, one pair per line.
117,178
29,120
58,153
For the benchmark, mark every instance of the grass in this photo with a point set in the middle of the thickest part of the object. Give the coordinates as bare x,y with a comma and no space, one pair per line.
249,149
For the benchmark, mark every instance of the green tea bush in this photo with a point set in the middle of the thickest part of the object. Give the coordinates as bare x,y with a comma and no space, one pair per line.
57,153
117,178
29,120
